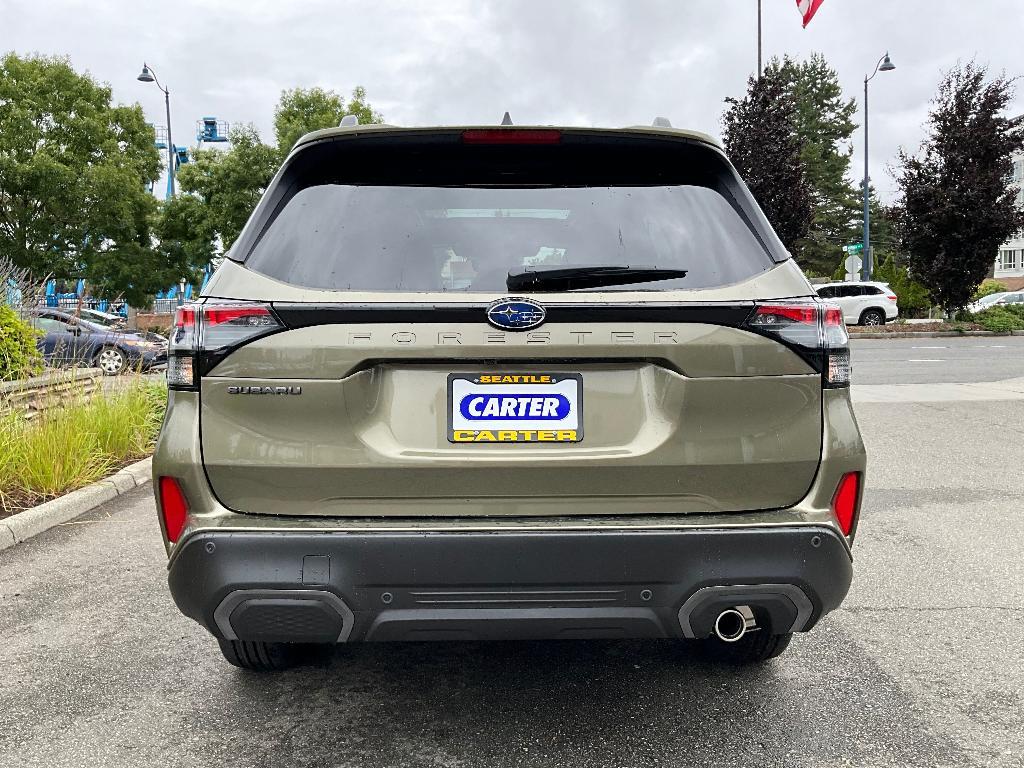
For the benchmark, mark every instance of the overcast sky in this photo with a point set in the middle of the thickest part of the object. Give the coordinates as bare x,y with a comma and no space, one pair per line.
578,62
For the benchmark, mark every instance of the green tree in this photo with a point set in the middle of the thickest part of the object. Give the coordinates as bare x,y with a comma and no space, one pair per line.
912,295
219,190
186,234
762,141
74,171
824,123
301,110
956,207
987,288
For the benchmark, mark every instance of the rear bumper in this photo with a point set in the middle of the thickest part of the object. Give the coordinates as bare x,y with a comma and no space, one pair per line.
296,586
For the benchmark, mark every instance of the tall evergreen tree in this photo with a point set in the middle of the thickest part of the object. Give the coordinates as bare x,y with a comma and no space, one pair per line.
956,205
824,122
760,132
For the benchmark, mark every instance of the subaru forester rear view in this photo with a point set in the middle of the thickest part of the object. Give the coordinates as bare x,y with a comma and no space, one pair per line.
499,383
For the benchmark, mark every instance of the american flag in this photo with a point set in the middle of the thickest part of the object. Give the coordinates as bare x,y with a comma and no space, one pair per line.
808,8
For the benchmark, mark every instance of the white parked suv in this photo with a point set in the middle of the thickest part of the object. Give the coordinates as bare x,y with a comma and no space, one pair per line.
862,303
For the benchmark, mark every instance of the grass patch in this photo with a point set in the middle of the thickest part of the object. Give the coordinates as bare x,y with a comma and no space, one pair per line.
68,447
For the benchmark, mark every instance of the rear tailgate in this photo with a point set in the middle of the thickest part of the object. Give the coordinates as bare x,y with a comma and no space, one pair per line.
716,417
380,257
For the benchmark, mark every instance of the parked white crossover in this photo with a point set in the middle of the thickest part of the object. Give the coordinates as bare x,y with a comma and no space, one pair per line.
862,303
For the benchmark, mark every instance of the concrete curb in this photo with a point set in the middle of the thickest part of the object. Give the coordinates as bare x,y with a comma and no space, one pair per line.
929,334
31,522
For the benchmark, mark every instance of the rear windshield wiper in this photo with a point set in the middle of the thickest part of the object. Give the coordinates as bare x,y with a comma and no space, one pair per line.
593,276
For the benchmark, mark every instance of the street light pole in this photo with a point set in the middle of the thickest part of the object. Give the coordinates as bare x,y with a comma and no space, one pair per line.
884,65
758,39
149,76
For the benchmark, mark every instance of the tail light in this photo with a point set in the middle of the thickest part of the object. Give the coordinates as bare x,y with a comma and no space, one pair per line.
891,297
846,501
173,507
814,330
205,333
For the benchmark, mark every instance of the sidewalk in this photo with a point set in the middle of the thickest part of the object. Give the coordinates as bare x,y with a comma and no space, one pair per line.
1010,389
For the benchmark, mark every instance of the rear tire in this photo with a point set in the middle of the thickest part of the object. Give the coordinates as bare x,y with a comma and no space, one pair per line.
753,648
872,317
258,656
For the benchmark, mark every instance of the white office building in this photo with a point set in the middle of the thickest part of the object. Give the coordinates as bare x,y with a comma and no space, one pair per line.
1009,268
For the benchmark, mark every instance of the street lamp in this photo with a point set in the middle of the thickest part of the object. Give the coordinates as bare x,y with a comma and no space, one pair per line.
147,75
884,65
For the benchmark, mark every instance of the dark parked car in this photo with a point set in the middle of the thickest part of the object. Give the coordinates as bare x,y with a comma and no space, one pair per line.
71,340
117,323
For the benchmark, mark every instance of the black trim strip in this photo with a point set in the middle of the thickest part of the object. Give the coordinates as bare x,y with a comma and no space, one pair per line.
734,315
308,315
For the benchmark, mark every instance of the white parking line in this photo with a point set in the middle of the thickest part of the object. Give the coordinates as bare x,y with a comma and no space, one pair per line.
929,347
925,360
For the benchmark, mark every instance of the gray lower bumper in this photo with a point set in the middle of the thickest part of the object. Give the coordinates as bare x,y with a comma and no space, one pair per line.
294,586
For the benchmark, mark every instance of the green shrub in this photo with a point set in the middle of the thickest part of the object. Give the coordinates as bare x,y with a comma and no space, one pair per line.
987,288
19,356
912,296
1002,319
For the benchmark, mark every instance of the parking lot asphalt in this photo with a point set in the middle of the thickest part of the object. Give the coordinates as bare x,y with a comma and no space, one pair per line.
922,666
939,360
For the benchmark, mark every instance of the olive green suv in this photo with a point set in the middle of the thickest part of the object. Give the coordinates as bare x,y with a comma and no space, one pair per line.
491,383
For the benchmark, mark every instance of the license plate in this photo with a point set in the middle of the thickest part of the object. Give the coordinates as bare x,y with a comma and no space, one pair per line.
515,407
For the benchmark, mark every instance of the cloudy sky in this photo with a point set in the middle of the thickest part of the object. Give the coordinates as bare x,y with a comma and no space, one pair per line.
579,62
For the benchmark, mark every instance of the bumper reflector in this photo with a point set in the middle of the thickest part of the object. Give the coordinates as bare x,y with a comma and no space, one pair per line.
173,507
846,501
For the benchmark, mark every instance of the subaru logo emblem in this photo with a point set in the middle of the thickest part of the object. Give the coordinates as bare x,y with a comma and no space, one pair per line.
514,314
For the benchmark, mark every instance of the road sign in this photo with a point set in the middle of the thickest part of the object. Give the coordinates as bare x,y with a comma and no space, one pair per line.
855,248
853,263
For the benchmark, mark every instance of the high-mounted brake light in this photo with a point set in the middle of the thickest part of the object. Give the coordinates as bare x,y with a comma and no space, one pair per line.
815,330
846,501
511,136
203,328
173,508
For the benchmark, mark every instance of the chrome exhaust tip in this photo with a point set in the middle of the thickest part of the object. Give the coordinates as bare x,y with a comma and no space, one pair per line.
734,623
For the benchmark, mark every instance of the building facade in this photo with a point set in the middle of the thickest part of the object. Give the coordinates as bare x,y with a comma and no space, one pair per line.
1009,267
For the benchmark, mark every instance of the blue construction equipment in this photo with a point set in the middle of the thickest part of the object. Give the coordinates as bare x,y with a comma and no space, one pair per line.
161,136
210,129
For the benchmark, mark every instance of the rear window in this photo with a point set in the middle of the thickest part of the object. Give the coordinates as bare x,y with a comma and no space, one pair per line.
463,225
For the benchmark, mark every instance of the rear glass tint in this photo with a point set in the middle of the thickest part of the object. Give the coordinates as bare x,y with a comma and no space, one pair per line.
462,226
